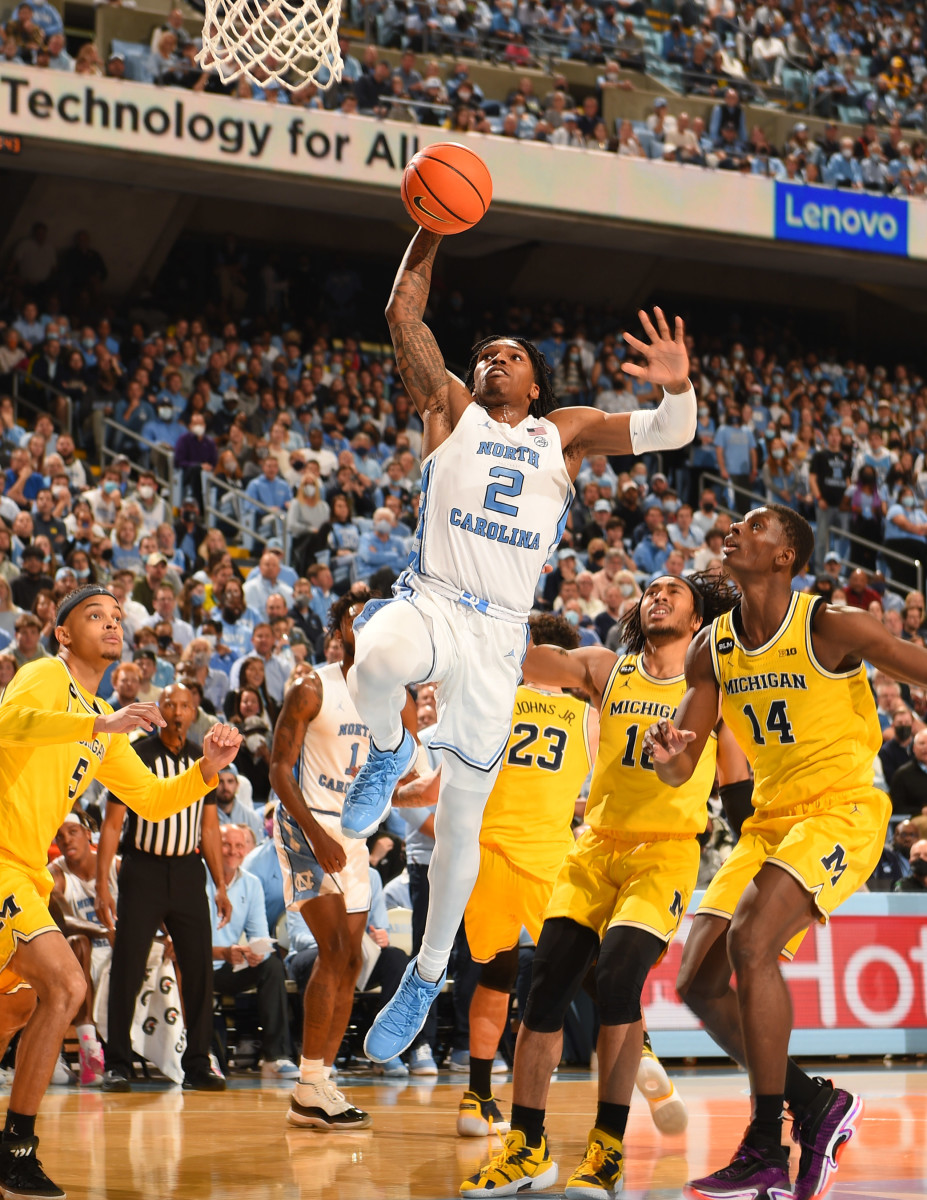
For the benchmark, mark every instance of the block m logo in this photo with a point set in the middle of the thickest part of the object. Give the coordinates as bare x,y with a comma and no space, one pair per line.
836,863
676,906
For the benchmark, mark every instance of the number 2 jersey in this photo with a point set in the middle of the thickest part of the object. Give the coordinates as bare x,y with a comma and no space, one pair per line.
806,731
495,499
626,798
529,813
49,754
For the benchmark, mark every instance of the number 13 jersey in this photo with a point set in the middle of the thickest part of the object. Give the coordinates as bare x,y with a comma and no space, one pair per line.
494,505
626,798
806,731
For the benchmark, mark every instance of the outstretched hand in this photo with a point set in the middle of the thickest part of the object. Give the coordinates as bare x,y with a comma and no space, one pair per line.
133,716
220,745
667,359
664,742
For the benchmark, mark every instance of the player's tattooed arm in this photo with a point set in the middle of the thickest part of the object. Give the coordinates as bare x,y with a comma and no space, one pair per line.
301,706
436,394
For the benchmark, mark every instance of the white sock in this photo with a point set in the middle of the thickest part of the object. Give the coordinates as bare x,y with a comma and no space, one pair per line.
311,1069
86,1033
327,1072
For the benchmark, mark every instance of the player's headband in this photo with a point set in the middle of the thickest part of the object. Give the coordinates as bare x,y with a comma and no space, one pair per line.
67,606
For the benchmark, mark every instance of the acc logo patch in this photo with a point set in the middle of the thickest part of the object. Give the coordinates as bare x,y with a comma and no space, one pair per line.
542,442
725,645
627,669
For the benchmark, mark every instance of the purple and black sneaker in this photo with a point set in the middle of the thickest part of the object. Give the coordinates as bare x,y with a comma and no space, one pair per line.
822,1133
751,1175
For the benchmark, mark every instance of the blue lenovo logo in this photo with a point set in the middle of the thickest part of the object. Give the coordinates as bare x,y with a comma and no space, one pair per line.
852,220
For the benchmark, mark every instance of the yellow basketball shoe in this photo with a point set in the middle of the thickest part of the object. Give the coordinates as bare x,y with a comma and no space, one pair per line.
479,1118
600,1174
667,1107
516,1168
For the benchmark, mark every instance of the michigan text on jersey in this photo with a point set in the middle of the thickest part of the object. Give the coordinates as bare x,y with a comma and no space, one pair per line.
762,683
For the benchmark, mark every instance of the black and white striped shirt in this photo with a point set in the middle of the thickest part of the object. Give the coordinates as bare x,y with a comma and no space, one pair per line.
176,835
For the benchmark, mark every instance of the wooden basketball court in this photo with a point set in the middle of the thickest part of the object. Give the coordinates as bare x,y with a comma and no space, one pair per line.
160,1142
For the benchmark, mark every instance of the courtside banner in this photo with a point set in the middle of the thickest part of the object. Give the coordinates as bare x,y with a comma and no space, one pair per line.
204,130
858,985
848,220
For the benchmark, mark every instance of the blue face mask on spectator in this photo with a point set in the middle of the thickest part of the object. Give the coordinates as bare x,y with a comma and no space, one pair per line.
907,501
572,617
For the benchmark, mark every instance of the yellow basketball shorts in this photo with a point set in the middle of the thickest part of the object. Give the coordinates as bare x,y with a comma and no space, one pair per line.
23,915
606,881
502,901
830,845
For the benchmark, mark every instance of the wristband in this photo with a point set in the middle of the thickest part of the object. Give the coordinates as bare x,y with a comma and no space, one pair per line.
668,427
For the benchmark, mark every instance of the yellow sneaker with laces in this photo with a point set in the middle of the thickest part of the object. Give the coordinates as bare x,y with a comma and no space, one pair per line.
600,1176
479,1118
516,1168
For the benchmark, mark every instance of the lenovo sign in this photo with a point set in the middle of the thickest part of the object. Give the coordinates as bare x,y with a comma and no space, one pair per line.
851,220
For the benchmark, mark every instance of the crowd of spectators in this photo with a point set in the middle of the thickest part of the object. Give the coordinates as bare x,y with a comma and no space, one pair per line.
866,67
314,449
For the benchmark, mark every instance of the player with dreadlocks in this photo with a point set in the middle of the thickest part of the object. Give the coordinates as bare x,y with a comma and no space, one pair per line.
622,889
319,742
497,484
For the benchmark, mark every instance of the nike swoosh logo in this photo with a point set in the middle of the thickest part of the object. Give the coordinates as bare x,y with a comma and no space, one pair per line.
420,205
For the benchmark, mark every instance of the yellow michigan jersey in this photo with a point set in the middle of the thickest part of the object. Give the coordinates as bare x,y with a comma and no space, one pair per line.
807,732
626,799
528,814
49,754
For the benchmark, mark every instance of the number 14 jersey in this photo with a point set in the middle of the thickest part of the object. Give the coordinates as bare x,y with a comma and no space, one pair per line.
494,504
807,732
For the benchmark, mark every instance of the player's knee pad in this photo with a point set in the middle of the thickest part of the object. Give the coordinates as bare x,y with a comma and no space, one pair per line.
565,950
500,973
625,960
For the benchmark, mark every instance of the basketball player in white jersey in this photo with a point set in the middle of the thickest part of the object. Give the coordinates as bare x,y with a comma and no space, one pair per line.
497,483
325,875
74,875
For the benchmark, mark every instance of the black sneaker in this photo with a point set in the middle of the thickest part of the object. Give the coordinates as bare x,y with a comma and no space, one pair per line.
21,1174
203,1081
115,1079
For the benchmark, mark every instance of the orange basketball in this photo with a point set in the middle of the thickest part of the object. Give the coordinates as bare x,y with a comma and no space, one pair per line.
446,188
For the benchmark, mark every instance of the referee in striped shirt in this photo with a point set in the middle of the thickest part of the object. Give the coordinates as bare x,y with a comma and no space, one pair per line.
161,882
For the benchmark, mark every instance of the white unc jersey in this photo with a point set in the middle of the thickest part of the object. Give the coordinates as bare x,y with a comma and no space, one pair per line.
494,505
335,746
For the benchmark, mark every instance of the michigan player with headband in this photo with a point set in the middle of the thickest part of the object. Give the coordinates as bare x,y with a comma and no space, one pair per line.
319,743
789,671
622,889
56,735
497,484
526,831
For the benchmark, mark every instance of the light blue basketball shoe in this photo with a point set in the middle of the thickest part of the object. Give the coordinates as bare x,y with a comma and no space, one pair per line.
399,1022
367,802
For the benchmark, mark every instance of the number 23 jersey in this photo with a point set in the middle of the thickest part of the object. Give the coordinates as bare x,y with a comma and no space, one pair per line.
495,499
806,731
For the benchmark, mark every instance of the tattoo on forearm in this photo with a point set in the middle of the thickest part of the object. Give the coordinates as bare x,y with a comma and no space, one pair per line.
420,361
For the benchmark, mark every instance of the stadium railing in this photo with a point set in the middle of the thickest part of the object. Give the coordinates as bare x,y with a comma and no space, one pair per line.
722,486
23,388
216,513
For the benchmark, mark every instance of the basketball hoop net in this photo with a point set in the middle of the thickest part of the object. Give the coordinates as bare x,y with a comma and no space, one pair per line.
292,42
